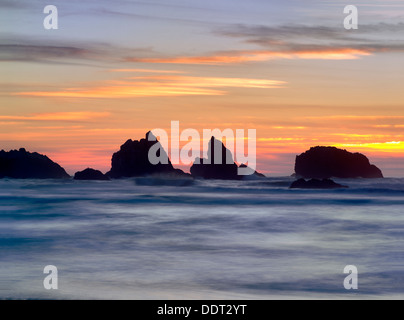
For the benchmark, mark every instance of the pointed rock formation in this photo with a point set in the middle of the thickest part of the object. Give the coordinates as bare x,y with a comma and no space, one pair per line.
328,162
26,165
132,160
218,165
90,174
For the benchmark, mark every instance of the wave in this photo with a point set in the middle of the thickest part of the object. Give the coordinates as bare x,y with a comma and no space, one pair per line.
152,181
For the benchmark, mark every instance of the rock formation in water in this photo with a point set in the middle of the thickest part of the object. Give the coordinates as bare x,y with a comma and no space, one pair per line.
316,184
90,174
328,162
218,165
132,160
26,165
254,174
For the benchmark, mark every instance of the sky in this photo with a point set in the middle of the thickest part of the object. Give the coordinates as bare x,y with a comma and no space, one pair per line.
113,70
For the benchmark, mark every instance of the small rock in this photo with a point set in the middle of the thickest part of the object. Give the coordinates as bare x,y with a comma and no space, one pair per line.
316,184
90,174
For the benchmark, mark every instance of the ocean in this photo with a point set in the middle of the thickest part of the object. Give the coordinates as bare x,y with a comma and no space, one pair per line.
177,239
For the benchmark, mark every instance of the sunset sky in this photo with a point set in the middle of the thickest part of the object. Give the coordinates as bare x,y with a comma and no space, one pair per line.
287,68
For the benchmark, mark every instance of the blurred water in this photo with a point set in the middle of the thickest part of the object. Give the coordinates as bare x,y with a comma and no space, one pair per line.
143,239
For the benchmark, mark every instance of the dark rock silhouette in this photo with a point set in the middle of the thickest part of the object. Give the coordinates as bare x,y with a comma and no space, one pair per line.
316,184
26,165
254,174
90,174
328,162
223,168
132,160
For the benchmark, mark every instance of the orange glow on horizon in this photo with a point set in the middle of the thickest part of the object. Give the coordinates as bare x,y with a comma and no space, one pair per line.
390,146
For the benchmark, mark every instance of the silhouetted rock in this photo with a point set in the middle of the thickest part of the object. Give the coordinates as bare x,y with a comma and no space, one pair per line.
90,174
253,173
327,162
316,184
223,168
26,165
132,160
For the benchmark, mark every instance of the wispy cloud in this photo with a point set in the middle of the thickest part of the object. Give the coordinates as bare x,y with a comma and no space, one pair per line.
235,57
295,42
303,42
355,118
58,116
292,34
163,85
147,71
16,48
14,4
20,52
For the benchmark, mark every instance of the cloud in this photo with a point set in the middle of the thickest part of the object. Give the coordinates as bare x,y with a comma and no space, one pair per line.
270,35
20,49
303,31
300,33
354,118
151,86
13,4
295,42
18,52
237,57
146,71
58,116
306,42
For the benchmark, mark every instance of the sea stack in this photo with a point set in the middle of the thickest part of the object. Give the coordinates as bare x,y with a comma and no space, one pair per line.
22,164
218,165
132,160
328,162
